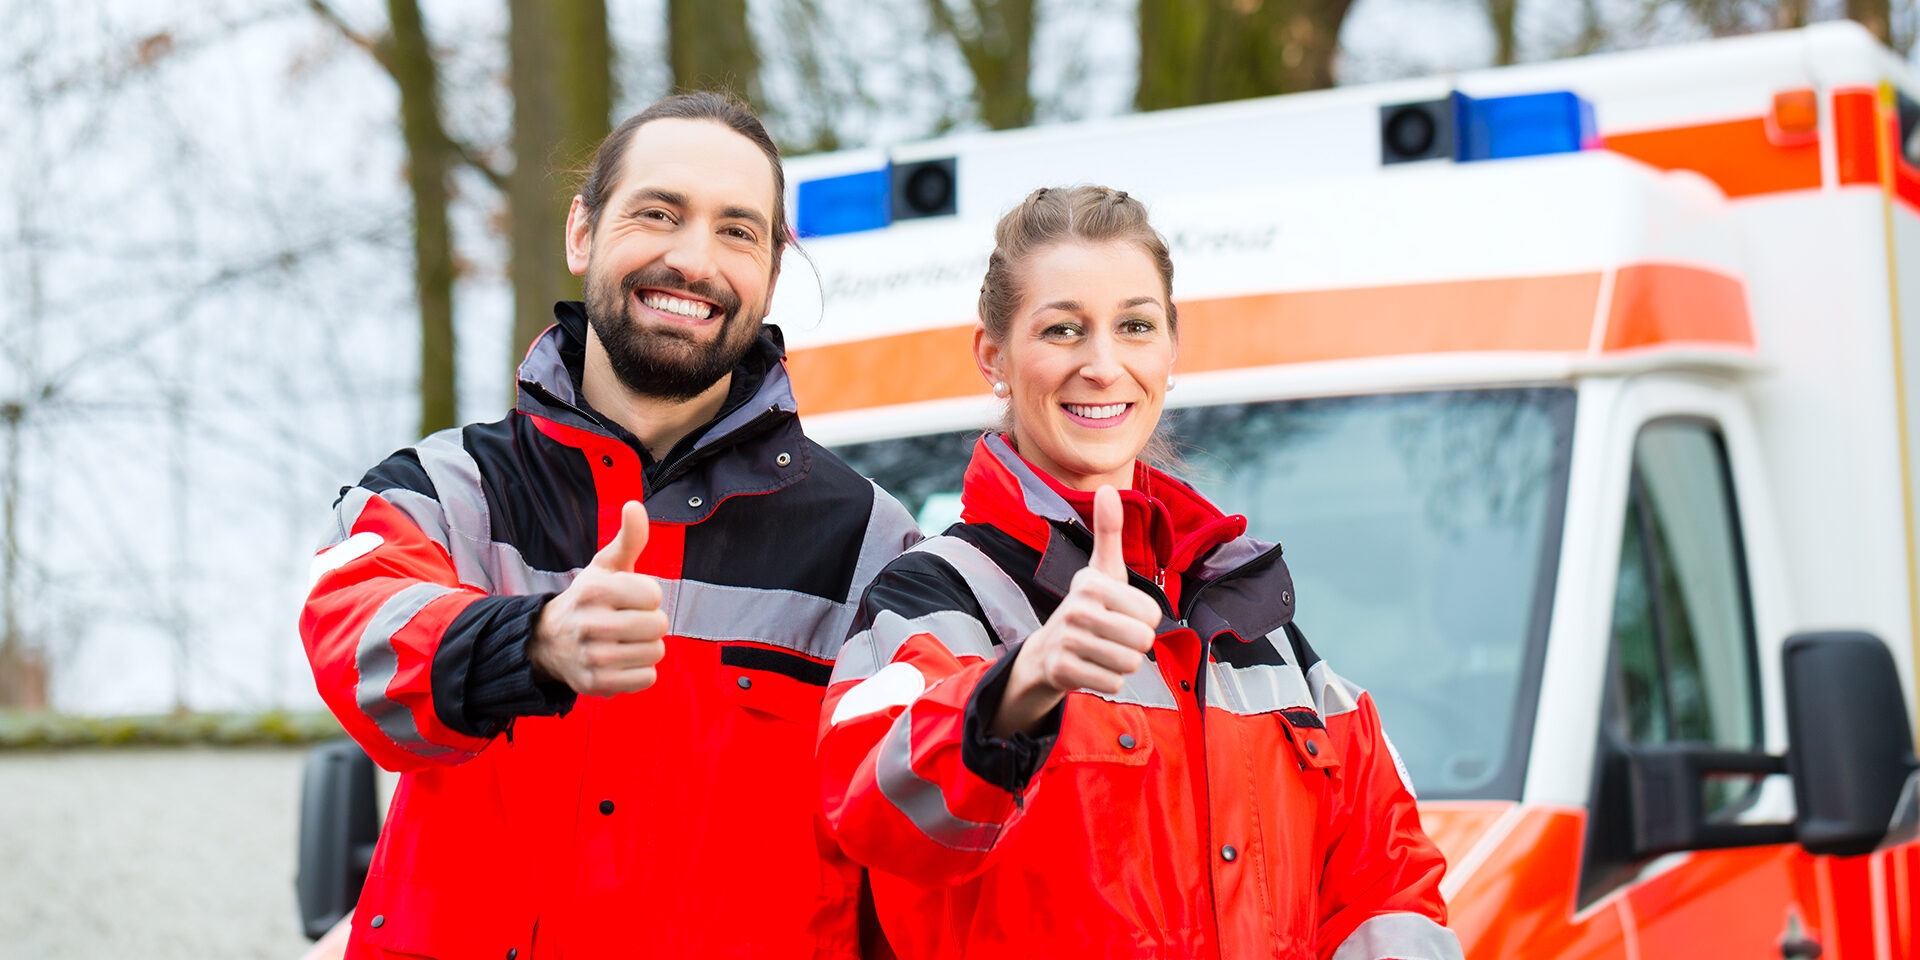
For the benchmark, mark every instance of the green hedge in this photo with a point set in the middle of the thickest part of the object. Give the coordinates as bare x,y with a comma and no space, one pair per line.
39,731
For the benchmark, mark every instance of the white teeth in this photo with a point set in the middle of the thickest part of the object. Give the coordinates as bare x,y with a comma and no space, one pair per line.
1103,412
685,308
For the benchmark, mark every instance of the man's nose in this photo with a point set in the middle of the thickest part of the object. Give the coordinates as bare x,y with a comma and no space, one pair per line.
691,256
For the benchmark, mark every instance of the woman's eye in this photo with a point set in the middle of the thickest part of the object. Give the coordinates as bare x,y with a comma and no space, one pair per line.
1137,326
1061,330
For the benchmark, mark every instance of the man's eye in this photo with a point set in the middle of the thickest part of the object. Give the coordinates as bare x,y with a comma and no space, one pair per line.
740,234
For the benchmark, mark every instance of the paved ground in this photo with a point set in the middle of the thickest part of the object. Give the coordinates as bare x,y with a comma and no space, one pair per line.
157,853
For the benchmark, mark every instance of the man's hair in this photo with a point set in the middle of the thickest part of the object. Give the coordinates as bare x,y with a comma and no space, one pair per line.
720,108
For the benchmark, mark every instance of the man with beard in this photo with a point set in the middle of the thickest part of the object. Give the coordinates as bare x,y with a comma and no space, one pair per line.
594,635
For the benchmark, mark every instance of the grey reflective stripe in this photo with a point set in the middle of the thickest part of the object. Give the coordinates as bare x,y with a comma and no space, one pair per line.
1230,556
1041,500
543,366
783,618
1399,936
1006,607
890,531
378,662
1144,687
346,513
1261,688
870,649
920,800
1332,694
462,513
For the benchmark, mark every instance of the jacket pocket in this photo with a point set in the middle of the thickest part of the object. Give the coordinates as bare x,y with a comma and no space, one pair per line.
1100,731
1308,733
439,922
773,681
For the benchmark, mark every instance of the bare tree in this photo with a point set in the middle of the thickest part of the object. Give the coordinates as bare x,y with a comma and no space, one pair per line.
711,47
995,38
1204,51
407,57
562,65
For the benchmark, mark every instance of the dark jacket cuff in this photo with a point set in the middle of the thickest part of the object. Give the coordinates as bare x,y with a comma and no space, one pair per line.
1009,763
495,680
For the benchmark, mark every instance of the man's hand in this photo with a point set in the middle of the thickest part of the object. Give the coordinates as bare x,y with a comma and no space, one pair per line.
602,636
1100,632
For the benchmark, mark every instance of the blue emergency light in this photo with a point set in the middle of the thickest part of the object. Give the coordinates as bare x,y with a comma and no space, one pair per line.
1527,125
844,204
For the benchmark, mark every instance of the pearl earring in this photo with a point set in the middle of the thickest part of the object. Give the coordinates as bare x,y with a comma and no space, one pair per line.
999,388
1169,381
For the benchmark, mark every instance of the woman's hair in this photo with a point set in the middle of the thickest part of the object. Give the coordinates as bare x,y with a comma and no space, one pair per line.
1051,216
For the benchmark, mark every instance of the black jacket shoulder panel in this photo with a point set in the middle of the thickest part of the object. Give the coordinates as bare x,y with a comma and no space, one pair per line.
539,492
804,537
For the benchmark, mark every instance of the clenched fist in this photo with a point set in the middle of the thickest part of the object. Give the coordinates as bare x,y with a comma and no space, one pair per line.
602,636
1101,632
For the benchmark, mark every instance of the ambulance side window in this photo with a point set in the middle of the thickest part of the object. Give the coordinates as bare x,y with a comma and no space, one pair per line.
1683,651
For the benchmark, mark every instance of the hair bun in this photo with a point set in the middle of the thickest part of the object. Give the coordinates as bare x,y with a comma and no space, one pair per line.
1119,196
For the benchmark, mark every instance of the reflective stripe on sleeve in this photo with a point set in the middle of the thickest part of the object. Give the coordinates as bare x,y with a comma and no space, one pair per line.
919,799
871,649
1006,606
1399,936
1332,694
378,662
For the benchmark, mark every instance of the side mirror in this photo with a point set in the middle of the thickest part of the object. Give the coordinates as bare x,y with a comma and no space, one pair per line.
339,826
1856,780
1667,784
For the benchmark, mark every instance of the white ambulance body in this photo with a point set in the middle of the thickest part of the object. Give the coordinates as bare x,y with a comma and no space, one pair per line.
1563,447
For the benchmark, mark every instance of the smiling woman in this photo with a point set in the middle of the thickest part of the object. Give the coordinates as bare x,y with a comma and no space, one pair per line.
1096,625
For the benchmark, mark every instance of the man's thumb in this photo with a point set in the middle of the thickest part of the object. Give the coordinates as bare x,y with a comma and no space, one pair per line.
1108,556
623,551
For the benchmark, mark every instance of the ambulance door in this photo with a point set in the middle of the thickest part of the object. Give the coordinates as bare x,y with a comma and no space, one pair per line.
1684,673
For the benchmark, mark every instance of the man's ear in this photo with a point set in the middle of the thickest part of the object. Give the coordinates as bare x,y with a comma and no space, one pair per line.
579,237
987,355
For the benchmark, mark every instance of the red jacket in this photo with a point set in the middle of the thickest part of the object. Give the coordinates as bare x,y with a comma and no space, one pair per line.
680,821
1237,799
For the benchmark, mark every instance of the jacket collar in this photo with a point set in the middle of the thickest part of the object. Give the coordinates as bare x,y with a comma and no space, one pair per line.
1169,525
760,421
549,378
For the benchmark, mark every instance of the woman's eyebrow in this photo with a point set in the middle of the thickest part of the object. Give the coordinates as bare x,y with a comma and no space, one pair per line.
1138,302
1070,306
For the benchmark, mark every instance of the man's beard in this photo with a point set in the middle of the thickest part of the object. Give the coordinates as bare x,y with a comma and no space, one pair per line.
662,361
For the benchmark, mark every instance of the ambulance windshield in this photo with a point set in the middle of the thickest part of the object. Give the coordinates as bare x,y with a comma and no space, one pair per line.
1422,531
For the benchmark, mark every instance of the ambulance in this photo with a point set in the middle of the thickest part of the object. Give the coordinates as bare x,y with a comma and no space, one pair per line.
1585,399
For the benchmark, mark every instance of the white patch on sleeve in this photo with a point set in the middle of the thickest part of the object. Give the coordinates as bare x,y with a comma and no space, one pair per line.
1399,766
896,685
341,554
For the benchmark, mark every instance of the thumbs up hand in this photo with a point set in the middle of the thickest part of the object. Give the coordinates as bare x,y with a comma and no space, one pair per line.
1098,634
602,635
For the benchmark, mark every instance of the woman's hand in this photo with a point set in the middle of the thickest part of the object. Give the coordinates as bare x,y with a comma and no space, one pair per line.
1100,632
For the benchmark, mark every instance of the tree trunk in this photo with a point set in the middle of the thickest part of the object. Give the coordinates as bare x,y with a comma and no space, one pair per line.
1500,16
1875,15
23,671
562,65
709,47
429,158
997,44
1206,51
